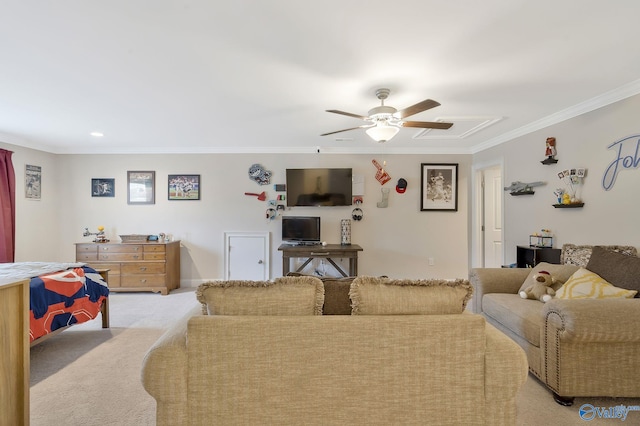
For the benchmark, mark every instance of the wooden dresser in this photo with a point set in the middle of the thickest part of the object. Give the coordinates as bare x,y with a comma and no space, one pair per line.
149,266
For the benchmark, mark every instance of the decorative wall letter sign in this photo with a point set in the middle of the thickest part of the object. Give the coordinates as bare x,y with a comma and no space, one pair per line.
627,157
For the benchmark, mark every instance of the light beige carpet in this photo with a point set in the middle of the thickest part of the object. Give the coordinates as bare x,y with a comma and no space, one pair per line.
87,375
90,376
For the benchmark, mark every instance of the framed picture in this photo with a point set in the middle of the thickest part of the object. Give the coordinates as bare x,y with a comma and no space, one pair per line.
141,187
32,181
103,187
439,187
183,187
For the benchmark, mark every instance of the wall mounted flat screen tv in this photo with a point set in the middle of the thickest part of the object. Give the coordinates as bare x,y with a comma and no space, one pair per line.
319,187
301,229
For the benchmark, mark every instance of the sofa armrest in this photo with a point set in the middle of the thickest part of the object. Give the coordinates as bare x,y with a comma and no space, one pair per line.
164,372
495,280
506,370
593,320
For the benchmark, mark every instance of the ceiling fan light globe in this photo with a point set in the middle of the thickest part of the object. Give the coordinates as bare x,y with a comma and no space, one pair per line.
382,133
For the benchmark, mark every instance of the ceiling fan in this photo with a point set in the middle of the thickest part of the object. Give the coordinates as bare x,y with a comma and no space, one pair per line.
385,121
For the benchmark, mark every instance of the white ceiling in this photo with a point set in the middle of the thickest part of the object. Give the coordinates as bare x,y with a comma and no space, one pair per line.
257,76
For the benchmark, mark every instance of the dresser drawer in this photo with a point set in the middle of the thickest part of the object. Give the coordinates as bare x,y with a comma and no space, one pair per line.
153,248
114,272
86,257
117,257
84,248
142,280
143,268
120,248
114,268
154,256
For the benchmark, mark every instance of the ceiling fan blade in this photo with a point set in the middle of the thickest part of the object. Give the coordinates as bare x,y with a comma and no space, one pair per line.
427,124
419,107
335,111
343,130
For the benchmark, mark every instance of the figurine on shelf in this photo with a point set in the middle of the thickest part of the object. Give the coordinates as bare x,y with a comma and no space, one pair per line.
100,237
559,193
550,152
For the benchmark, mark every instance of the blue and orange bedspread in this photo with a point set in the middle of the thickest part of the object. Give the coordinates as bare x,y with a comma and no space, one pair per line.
63,298
61,294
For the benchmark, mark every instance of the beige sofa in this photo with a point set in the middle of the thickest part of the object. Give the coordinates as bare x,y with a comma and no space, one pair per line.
577,347
223,364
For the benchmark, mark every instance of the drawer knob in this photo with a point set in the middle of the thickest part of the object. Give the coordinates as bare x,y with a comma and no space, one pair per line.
143,280
143,268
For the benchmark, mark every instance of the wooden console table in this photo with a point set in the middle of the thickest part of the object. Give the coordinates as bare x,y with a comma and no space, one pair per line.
329,252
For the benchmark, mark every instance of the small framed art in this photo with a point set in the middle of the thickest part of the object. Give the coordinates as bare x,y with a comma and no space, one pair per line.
141,187
32,181
103,187
439,187
183,187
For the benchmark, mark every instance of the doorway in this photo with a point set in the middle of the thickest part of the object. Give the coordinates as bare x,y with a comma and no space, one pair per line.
489,220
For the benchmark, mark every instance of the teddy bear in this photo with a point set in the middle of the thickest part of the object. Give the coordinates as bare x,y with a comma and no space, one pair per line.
541,289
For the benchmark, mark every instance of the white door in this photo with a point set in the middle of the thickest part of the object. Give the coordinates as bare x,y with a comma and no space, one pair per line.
492,217
247,256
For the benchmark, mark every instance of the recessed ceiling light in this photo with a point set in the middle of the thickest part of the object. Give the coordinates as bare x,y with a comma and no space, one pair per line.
97,134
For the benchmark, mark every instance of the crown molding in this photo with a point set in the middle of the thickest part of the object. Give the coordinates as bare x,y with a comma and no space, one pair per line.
607,98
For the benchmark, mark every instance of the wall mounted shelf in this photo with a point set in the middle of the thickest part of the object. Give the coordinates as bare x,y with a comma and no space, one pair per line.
568,206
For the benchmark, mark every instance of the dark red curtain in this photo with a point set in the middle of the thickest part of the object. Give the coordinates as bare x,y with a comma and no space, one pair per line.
7,208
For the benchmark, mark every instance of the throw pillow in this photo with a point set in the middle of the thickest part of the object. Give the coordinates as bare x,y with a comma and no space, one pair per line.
572,254
283,296
580,254
584,284
384,296
619,269
336,294
561,273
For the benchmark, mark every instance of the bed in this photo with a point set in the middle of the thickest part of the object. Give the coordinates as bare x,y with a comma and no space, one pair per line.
60,295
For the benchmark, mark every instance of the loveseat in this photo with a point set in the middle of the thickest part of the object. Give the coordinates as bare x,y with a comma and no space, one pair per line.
577,346
262,353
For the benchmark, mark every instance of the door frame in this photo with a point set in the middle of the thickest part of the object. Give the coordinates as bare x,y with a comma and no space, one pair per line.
477,211
266,238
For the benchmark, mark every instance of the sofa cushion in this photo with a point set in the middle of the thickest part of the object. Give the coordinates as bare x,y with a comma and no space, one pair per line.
384,296
561,273
585,284
619,269
283,296
522,316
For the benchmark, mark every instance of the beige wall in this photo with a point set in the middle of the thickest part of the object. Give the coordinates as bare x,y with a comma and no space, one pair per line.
38,222
608,217
397,241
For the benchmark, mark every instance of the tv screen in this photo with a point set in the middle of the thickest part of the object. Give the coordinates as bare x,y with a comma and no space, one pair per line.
319,187
301,229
